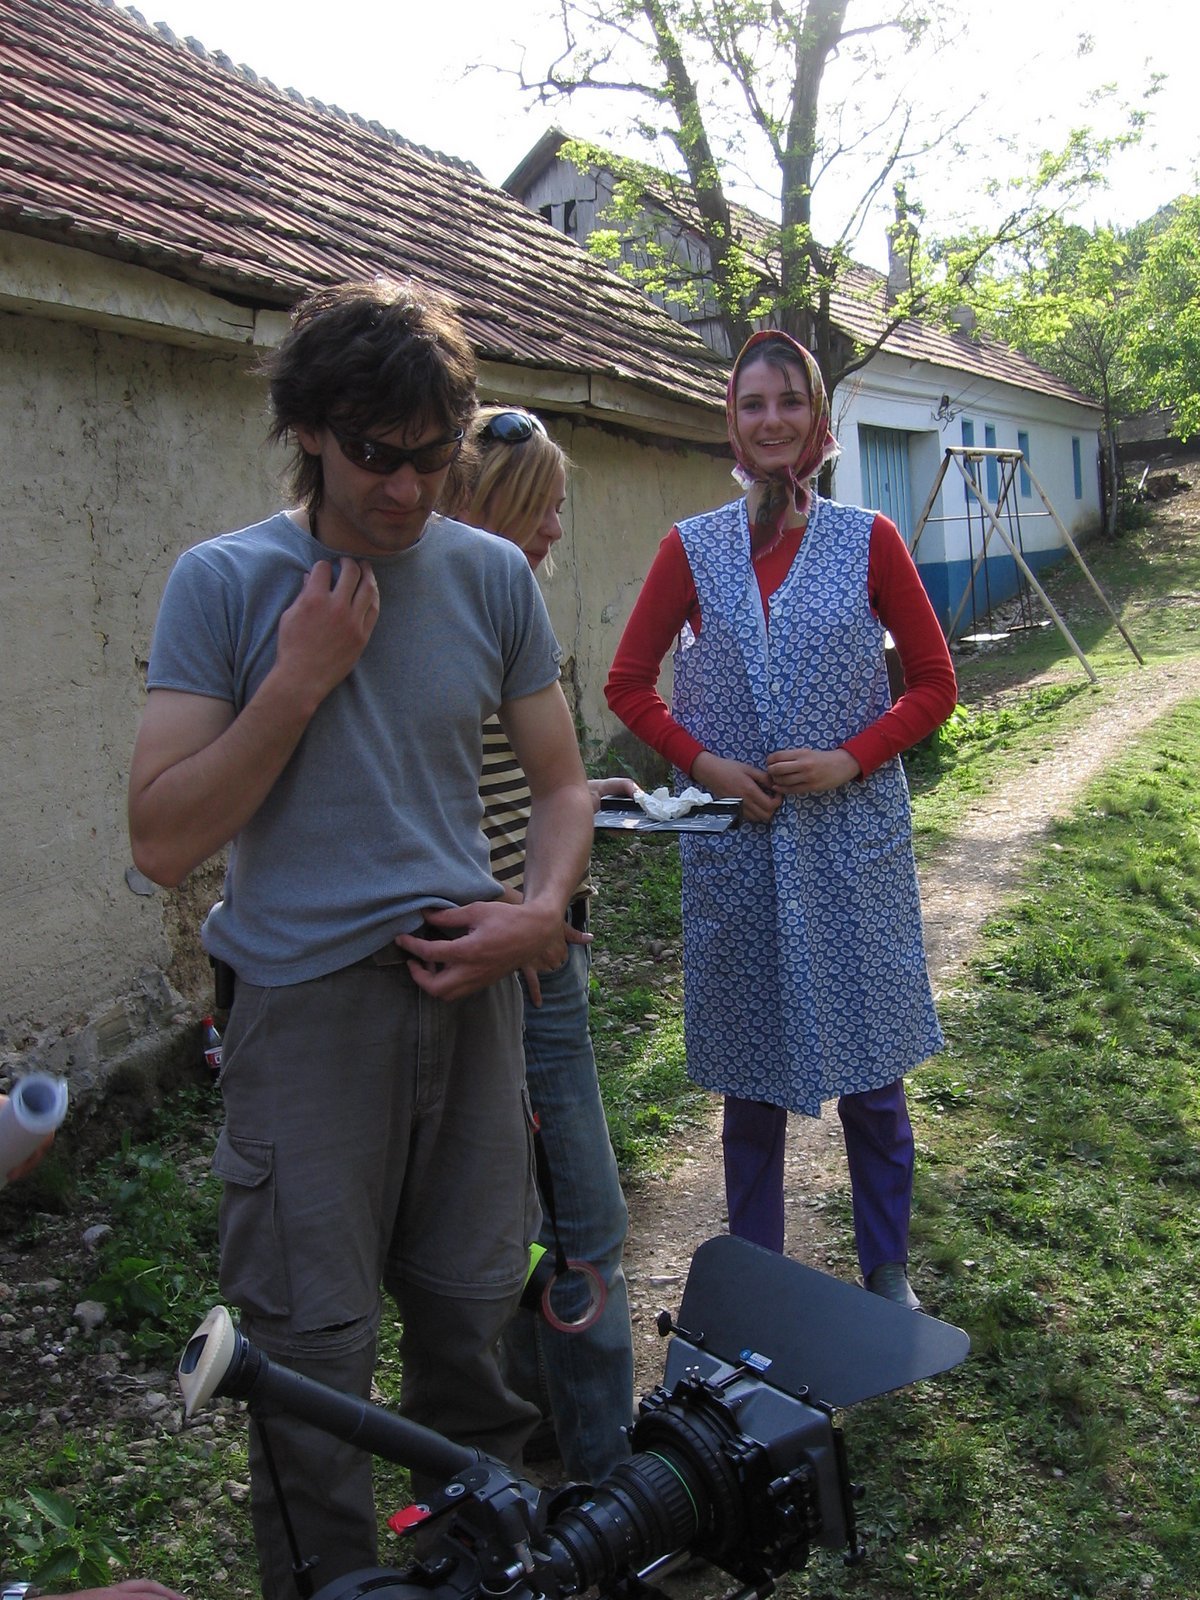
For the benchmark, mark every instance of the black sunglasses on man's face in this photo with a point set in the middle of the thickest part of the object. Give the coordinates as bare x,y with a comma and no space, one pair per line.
383,459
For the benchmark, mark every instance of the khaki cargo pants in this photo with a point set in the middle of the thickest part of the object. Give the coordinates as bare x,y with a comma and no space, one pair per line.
373,1136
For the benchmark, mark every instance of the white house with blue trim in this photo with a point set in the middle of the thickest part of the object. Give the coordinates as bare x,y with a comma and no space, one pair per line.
897,417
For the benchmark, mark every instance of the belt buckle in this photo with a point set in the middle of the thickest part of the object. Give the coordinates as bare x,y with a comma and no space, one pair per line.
388,955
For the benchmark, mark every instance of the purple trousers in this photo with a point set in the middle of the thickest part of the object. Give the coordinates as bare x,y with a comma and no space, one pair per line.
879,1151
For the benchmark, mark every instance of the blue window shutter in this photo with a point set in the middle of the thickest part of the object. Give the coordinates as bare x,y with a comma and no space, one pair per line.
968,439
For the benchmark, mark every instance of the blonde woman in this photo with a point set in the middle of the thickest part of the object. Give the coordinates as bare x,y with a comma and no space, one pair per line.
583,1379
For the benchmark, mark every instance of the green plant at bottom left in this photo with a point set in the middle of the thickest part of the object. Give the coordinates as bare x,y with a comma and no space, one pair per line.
60,1545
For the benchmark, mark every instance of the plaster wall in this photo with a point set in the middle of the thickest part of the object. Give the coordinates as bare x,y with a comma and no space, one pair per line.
118,453
623,497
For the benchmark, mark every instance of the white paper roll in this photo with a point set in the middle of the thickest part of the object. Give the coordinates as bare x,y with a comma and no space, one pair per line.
36,1106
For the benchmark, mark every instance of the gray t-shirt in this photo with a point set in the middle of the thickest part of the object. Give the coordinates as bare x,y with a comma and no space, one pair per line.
376,817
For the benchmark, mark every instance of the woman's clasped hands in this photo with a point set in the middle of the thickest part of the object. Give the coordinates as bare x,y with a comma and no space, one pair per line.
787,772
811,771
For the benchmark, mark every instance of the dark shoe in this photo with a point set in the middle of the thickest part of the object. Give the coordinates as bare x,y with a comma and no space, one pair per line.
542,1444
891,1281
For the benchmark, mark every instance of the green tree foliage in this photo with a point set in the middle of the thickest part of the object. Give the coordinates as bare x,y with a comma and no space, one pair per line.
1164,336
1116,312
718,84
1072,305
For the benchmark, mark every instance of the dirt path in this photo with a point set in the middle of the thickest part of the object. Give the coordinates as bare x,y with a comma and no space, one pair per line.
960,887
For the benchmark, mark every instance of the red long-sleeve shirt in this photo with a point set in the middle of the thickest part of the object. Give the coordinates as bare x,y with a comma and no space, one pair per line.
897,597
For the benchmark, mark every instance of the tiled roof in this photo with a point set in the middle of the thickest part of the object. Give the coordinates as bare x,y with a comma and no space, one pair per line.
859,308
117,139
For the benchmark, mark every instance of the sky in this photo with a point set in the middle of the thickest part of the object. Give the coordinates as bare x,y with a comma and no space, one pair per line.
409,66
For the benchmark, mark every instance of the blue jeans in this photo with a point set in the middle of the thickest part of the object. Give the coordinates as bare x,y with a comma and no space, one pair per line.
584,1380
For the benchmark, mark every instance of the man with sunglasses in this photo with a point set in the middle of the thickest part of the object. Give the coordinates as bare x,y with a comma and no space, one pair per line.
318,686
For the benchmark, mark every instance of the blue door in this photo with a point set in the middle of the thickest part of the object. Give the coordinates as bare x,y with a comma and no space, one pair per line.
884,456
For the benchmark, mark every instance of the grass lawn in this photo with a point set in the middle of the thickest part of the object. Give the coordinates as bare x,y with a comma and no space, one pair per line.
1058,1218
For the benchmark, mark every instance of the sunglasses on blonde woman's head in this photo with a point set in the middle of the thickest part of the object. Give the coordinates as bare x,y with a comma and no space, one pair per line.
512,427
383,459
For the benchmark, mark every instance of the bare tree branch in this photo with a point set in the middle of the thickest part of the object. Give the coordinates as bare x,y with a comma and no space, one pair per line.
693,62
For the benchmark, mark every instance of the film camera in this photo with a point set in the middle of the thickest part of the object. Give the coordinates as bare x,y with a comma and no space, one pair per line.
736,1456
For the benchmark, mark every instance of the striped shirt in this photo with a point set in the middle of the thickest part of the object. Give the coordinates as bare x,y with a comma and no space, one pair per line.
506,803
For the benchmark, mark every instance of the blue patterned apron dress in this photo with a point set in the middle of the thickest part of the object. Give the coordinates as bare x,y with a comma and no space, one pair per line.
804,965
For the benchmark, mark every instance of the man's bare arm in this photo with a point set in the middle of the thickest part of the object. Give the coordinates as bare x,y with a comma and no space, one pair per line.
493,937
558,841
199,773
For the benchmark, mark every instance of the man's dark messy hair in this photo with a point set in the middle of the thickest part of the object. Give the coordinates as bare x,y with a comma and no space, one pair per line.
365,358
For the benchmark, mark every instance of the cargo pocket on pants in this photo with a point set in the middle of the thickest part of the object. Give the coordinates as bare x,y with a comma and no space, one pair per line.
254,1272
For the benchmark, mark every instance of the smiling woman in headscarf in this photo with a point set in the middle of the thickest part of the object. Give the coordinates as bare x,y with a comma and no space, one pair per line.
804,963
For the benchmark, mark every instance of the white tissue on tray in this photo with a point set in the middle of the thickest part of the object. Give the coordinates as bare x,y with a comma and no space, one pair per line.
663,806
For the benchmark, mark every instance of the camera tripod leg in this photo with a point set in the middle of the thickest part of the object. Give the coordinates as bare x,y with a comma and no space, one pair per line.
302,1566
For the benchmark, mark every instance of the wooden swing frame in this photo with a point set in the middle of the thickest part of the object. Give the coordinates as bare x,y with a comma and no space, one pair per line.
1009,461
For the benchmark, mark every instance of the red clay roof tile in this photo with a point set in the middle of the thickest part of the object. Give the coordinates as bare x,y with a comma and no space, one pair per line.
118,138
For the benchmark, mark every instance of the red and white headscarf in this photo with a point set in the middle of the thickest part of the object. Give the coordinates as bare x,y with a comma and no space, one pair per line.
795,482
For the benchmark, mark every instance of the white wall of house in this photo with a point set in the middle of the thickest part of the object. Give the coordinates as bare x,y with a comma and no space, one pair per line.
120,450
901,400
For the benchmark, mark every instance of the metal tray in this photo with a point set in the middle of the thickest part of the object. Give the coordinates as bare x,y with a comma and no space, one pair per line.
620,815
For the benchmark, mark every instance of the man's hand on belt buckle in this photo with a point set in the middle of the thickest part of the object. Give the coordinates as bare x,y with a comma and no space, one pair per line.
482,942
